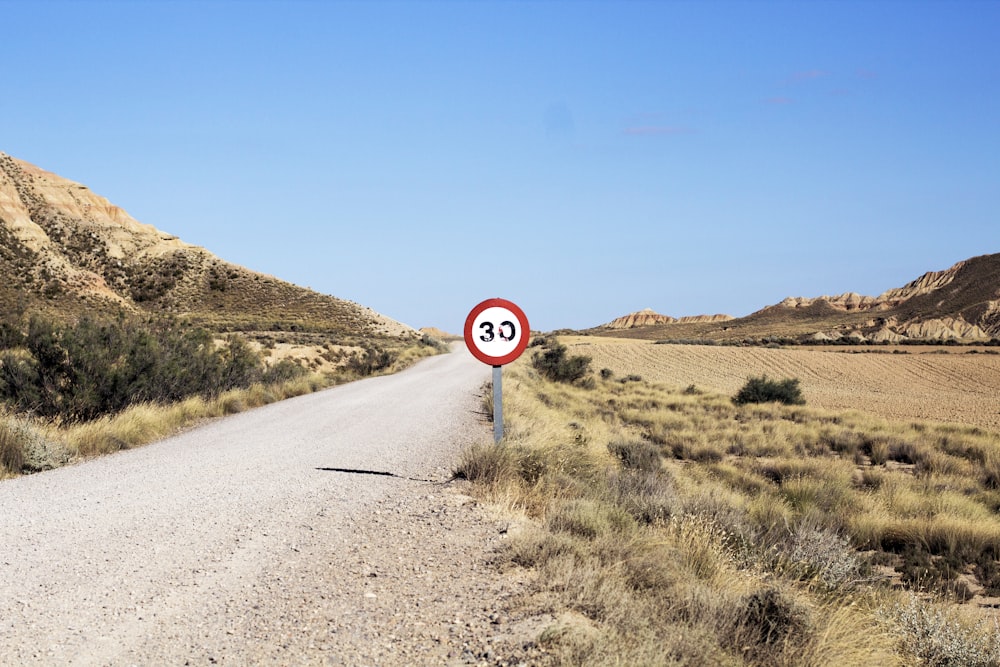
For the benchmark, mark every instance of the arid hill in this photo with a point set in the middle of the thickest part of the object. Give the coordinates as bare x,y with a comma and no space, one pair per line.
959,304
64,250
648,317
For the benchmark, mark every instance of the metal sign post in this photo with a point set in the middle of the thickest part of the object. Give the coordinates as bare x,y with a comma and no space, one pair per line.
496,333
497,403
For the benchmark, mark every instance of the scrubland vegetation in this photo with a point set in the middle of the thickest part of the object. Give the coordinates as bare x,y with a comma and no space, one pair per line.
93,386
676,526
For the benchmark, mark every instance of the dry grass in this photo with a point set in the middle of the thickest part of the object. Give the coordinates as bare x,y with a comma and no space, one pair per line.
142,424
670,526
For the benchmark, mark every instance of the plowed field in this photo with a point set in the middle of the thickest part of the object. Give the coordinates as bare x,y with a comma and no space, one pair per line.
960,388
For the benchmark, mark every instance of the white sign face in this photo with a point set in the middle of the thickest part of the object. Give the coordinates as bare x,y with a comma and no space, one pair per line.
497,332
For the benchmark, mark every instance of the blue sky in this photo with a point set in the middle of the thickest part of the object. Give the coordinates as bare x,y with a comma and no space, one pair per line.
582,159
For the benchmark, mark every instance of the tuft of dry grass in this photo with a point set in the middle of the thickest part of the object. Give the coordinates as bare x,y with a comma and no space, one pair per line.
26,446
12,447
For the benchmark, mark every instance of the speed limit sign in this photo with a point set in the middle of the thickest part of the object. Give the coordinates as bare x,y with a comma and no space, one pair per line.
496,332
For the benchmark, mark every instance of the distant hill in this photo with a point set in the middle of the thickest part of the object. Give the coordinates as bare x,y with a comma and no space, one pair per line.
648,317
65,250
960,304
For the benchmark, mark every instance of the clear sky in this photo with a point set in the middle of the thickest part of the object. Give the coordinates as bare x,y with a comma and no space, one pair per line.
582,159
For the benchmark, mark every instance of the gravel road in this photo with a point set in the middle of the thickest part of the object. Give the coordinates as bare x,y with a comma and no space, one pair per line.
244,542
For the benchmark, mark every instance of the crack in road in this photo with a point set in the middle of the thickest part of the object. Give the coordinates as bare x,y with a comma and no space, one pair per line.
385,473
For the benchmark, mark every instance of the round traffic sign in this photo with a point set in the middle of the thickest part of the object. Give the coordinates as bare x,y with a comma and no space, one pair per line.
497,332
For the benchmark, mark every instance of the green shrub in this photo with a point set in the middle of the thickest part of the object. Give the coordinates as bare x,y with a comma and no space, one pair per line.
371,361
433,343
636,455
765,390
283,371
85,370
554,365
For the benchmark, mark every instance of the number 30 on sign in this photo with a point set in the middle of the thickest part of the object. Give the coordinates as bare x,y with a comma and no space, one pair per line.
497,332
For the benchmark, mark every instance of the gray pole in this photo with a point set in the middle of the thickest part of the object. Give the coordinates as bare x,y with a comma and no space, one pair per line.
497,404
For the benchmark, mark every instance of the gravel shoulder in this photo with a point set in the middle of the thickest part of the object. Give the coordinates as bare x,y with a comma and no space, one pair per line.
247,542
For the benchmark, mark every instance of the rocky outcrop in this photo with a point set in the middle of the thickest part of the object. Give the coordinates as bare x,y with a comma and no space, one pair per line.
648,317
945,328
704,319
848,301
892,331
852,301
43,208
929,282
81,240
886,335
643,318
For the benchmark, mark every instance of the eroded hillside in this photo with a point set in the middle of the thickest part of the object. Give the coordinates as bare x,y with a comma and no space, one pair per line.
66,250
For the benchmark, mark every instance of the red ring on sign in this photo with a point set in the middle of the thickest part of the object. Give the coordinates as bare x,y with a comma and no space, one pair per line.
522,322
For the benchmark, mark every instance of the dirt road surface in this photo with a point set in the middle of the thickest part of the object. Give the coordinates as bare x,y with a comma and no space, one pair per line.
245,541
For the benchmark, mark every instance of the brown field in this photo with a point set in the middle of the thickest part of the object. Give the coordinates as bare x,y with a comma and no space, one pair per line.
921,384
